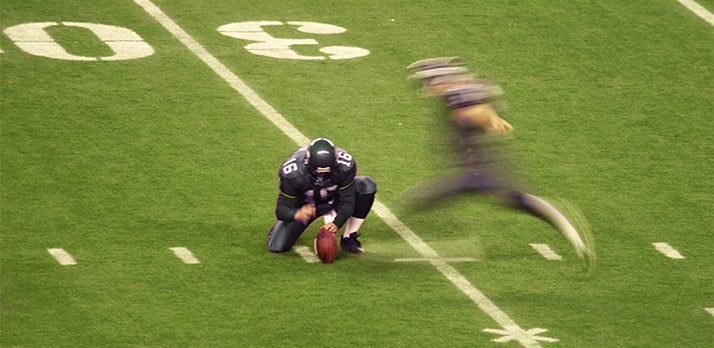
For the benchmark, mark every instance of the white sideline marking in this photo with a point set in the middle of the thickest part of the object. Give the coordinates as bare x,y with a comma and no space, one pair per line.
524,337
710,310
307,254
445,259
698,10
546,251
668,251
185,255
63,257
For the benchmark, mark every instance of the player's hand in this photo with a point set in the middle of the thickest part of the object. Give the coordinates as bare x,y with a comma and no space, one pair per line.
305,213
500,126
330,227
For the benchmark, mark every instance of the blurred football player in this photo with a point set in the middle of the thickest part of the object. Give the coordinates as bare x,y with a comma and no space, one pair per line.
473,111
320,180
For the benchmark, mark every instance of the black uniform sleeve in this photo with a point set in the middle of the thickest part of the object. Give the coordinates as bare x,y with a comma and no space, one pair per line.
346,194
288,204
285,209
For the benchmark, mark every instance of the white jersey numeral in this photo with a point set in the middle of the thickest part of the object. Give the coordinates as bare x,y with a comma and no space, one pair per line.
290,166
344,158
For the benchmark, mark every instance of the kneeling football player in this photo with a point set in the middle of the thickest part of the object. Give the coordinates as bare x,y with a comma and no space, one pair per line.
321,180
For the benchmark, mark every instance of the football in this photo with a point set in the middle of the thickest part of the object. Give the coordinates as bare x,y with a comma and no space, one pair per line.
326,246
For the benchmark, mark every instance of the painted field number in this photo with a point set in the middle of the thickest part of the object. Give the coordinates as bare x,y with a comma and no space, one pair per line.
267,45
34,39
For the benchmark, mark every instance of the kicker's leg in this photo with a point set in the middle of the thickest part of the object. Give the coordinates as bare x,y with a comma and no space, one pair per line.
366,190
579,237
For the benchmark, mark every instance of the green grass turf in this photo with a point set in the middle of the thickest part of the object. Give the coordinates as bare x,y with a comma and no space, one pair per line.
117,161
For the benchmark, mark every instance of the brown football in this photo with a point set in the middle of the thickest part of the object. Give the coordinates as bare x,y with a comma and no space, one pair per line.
326,246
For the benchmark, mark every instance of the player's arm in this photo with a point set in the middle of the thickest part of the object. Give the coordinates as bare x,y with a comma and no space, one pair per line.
289,207
481,116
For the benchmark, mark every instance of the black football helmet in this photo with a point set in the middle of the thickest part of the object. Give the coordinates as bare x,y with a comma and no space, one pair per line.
321,159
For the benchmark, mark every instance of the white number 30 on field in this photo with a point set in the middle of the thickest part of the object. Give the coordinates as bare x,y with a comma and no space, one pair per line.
266,45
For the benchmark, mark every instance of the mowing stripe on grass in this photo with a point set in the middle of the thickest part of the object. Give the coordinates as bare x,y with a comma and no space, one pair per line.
668,251
526,338
185,255
546,251
698,10
63,257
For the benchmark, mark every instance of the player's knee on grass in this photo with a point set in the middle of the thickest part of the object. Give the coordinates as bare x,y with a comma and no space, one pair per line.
283,235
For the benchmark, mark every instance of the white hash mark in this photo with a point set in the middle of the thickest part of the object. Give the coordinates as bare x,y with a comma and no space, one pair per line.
531,334
307,254
185,255
668,251
546,251
63,257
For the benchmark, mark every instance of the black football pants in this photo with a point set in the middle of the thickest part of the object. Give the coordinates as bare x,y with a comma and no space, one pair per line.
284,234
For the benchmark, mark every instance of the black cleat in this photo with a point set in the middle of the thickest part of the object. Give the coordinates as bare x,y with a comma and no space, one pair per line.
351,244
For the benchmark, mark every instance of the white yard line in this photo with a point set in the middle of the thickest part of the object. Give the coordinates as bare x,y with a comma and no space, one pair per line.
698,10
513,330
526,338
63,257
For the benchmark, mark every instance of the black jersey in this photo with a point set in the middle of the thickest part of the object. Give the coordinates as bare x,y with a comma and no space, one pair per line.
298,187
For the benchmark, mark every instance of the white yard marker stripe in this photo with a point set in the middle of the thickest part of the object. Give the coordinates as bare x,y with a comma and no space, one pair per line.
525,338
63,257
445,259
698,10
668,251
546,251
307,254
710,310
185,255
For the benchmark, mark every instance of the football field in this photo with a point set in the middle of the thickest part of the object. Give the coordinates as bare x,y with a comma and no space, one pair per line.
140,142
